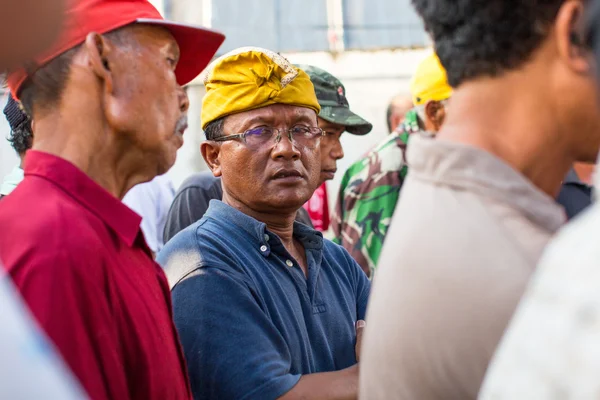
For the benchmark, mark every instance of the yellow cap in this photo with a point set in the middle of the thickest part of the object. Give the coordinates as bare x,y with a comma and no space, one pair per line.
430,82
249,78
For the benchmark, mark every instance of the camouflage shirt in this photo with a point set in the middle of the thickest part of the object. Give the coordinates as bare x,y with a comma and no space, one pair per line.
368,195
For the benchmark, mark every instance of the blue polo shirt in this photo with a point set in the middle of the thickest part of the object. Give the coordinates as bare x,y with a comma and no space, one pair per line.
250,322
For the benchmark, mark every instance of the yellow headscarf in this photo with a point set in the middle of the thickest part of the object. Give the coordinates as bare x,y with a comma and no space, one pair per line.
249,78
430,82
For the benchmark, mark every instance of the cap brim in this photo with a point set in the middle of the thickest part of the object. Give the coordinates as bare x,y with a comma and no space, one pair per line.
354,124
197,47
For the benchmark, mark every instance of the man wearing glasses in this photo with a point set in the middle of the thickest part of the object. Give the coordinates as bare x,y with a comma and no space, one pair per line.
265,307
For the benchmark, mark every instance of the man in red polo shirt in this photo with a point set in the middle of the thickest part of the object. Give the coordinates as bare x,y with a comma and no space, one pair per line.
109,112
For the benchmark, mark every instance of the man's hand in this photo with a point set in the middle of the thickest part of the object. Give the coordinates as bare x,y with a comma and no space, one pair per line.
360,327
338,385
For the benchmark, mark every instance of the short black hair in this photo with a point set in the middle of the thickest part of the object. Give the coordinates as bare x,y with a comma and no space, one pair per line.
214,129
475,38
45,86
21,137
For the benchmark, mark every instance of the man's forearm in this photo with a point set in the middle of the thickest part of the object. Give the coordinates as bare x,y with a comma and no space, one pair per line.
339,385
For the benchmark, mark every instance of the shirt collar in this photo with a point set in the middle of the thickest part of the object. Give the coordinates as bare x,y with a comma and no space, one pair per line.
573,178
221,212
85,191
469,168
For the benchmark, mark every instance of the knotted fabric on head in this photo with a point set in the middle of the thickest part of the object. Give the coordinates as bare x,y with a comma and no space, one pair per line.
249,78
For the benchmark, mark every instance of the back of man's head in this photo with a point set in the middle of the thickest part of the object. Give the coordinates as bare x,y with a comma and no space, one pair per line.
475,38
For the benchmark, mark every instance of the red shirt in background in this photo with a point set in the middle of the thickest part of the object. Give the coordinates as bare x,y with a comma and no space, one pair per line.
318,208
78,257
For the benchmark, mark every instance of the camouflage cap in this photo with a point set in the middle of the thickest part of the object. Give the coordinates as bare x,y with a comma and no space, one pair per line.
331,96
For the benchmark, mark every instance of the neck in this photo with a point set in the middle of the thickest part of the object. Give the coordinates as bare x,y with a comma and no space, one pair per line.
91,148
507,117
280,223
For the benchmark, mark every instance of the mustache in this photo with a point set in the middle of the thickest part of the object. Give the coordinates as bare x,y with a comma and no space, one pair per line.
182,124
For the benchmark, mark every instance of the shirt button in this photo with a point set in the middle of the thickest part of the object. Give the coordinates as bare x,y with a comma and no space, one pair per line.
289,263
267,237
263,248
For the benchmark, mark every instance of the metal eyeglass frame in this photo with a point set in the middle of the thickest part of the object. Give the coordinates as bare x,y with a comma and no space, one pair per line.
275,130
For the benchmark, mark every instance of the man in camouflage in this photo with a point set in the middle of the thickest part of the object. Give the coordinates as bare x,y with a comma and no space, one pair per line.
335,118
370,188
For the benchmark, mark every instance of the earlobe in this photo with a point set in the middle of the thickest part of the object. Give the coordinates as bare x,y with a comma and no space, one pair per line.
210,153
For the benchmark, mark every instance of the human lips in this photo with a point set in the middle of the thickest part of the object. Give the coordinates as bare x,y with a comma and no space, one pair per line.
181,126
288,174
180,129
329,172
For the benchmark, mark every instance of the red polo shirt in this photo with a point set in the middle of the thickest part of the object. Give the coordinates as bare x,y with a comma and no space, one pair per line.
78,257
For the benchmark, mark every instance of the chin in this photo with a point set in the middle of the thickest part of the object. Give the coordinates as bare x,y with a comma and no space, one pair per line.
290,200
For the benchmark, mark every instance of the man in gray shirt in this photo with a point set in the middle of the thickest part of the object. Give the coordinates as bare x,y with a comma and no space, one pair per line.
478,206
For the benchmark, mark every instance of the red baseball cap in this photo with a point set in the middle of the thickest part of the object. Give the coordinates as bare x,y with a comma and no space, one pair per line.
197,45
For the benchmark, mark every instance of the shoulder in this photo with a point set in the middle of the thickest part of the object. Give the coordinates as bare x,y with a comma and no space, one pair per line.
181,255
335,254
202,180
198,190
574,246
206,243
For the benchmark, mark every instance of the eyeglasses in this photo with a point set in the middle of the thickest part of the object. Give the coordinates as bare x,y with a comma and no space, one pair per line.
305,136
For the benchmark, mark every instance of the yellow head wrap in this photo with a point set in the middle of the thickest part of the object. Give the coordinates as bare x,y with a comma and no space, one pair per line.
430,82
249,78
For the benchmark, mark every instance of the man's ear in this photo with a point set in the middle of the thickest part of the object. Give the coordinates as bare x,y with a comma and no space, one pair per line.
435,114
211,152
568,29
99,51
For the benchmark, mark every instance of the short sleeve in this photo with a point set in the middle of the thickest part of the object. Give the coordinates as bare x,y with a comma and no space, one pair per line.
232,349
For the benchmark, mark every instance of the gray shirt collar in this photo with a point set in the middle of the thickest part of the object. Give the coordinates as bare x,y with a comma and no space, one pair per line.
464,167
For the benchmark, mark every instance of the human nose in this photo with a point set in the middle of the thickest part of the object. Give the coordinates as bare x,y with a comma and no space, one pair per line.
337,151
284,146
184,100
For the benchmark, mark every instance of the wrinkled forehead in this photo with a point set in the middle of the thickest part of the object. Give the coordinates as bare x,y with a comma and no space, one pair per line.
272,115
150,36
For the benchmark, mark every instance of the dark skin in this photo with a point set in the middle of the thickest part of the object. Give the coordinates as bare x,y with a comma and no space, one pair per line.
545,114
249,177
251,184
126,111
28,28
331,148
